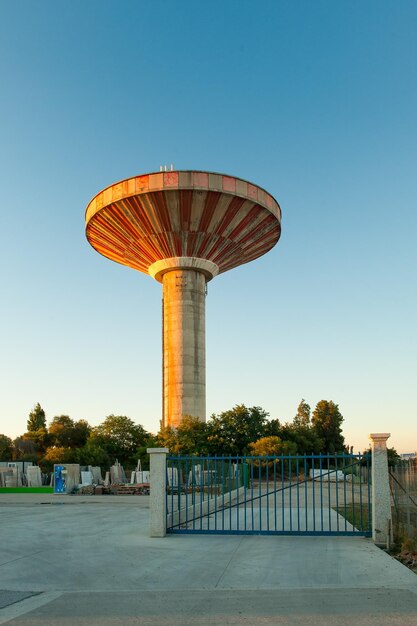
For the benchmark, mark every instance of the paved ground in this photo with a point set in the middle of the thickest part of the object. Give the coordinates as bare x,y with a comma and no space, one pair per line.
90,562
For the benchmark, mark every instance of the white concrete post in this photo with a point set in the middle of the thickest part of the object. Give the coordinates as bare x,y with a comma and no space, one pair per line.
158,503
381,497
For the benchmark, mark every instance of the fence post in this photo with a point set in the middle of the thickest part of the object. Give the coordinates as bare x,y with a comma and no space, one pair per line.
381,496
158,503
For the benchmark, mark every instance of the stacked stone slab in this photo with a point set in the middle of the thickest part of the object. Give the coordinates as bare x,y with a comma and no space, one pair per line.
117,474
6,473
139,477
96,473
34,476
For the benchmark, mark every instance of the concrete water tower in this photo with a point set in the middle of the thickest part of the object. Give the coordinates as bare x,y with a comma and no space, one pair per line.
183,228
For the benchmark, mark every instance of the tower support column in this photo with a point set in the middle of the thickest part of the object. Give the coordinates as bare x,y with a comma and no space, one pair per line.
184,346
184,282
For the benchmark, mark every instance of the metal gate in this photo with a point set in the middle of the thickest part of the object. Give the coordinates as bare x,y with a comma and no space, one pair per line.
325,494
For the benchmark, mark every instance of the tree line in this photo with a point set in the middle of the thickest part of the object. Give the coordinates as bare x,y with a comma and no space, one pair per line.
239,431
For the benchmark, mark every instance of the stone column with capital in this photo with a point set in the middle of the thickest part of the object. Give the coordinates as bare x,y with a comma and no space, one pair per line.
158,502
381,496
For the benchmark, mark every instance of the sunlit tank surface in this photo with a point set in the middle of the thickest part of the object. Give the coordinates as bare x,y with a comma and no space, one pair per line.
183,228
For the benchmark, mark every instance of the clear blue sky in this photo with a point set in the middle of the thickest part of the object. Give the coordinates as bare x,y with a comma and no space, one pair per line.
315,101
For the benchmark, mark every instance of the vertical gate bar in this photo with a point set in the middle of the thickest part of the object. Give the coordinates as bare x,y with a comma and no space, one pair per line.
208,491
251,489
305,489
230,485
282,492
298,492
245,479
166,491
201,460
192,490
353,496
186,493
179,487
223,488
180,483
167,487
314,493
337,491
260,492
275,493
290,487
175,461
328,490
196,487
321,490
344,489
369,492
267,493
169,483
360,494
215,492
237,494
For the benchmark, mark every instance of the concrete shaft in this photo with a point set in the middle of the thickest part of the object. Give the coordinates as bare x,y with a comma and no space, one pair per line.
184,352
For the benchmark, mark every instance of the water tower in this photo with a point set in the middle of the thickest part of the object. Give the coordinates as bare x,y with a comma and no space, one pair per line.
183,228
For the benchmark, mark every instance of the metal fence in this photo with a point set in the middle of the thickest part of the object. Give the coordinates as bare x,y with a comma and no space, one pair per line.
403,484
309,494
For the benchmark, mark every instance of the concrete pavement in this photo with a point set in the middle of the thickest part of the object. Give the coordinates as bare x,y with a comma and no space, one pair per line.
91,562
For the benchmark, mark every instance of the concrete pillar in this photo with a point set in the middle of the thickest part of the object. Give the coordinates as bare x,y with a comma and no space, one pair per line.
381,496
158,502
184,347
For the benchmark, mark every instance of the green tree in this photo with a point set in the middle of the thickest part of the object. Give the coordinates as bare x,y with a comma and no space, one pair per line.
24,450
60,430
189,438
305,438
302,417
272,446
40,439
80,433
120,437
56,455
393,457
67,433
6,448
327,422
92,453
37,419
231,432
272,428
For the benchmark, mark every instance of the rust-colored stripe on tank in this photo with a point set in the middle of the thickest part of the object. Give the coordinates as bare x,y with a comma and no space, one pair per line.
191,244
210,204
253,213
186,201
161,207
204,243
263,229
139,210
232,210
